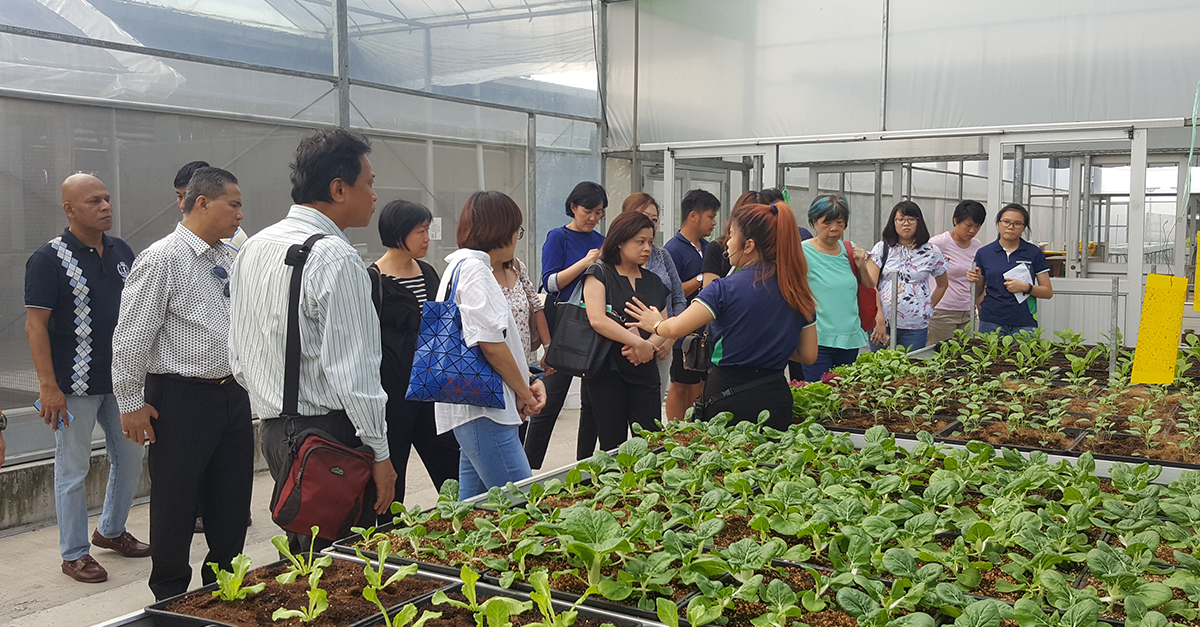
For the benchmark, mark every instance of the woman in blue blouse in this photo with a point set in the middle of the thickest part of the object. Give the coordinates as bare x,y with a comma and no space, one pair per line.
1009,294
568,251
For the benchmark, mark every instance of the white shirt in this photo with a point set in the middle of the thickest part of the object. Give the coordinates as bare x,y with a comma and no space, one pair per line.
339,329
486,317
174,316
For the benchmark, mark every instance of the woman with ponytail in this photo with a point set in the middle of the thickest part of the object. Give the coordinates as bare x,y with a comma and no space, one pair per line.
762,316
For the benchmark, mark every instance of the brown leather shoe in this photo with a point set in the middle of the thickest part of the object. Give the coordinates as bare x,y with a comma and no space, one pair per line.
85,570
125,544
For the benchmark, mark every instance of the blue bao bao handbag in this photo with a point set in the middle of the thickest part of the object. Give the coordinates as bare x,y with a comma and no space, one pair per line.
445,369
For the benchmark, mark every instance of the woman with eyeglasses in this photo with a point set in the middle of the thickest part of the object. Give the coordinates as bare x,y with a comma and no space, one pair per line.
566,254
906,261
1013,274
958,246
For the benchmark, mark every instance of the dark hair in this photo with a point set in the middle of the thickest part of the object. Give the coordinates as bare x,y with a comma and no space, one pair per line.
184,175
1012,206
910,209
398,219
777,239
970,209
625,227
697,200
488,221
747,198
770,195
638,202
587,195
323,157
207,182
832,207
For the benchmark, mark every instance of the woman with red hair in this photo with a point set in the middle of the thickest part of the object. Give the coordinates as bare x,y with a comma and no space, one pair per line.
762,316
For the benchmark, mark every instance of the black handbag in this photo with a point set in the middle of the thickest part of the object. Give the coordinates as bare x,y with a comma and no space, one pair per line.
697,351
577,350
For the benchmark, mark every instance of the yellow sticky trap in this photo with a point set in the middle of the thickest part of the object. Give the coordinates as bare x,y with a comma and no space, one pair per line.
1158,336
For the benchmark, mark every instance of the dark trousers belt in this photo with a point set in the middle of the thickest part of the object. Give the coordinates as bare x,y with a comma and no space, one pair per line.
196,380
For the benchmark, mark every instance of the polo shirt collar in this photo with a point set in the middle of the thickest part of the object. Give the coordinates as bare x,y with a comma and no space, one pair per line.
192,240
317,220
679,236
996,247
74,243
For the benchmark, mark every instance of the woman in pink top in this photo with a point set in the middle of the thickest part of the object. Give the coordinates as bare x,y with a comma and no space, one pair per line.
958,246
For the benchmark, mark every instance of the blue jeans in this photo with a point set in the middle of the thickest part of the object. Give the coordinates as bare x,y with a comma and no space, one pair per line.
988,327
827,358
72,459
912,339
490,455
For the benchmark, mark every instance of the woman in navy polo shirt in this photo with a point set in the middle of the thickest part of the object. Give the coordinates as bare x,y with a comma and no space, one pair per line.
568,251
761,316
1008,301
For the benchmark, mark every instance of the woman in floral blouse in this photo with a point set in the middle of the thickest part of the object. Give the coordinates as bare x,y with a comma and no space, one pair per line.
906,254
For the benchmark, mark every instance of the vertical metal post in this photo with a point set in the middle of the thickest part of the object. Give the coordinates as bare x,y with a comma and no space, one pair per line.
666,212
1179,247
602,91
531,190
1019,174
908,183
635,174
1075,217
114,186
758,172
895,302
341,61
877,219
961,178
1086,222
428,60
883,71
430,197
1112,328
1137,224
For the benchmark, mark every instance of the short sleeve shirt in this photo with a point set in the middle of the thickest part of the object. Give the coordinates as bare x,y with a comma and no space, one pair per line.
753,326
715,260
82,290
958,262
617,292
914,267
524,302
836,290
1000,306
688,260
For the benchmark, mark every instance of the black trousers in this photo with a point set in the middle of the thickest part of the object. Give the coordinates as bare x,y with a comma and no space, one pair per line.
411,424
773,396
624,404
278,453
541,426
203,455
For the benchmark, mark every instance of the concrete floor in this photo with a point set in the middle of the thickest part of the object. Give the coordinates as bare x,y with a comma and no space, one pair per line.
35,592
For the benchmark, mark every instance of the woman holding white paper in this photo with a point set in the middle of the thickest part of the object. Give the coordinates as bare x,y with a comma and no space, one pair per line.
1010,271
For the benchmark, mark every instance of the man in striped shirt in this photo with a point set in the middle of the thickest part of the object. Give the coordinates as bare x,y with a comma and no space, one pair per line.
340,391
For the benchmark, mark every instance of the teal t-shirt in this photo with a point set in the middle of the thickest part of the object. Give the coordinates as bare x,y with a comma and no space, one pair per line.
833,285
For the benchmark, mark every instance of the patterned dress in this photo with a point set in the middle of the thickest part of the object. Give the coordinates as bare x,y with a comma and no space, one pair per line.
523,299
914,267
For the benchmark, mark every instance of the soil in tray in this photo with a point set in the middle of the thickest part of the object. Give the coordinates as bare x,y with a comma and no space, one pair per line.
1118,612
999,433
343,581
564,579
455,617
895,424
799,580
1134,447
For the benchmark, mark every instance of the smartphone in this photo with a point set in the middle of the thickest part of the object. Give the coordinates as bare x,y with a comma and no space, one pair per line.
38,406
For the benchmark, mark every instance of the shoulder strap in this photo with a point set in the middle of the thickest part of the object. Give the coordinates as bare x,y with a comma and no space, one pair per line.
297,256
376,287
886,249
850,255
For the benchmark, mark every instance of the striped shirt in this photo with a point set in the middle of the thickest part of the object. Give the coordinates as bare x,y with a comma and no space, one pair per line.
174,316
416,285
339,329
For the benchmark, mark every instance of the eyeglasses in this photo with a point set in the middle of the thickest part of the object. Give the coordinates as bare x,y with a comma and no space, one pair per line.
520,232
221,273
905,220
1009,224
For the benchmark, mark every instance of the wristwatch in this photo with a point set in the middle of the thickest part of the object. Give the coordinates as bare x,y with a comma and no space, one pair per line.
700,277
533,378
1030,290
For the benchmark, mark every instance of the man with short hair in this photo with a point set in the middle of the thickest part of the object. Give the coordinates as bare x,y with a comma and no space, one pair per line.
72,295
183,177
175,388
698,218
340,390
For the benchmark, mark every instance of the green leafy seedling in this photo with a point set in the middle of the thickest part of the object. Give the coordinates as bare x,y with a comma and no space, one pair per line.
301,566
404,618
495,611
229,585
318,602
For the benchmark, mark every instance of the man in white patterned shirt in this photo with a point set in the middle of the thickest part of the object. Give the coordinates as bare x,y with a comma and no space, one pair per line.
175,388
340,390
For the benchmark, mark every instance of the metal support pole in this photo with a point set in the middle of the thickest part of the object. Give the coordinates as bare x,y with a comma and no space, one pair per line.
883,71
1113,344
341,61
635,174
1137,222
895,302
1019,175
908,183
1086,222
877,221
114,186
530,189
428,60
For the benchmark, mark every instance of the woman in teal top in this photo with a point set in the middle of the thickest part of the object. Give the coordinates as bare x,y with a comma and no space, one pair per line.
839,330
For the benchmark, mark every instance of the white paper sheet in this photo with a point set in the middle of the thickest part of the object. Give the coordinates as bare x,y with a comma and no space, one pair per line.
1021,273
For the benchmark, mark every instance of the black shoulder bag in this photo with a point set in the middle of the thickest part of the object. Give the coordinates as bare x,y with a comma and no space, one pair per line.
577,349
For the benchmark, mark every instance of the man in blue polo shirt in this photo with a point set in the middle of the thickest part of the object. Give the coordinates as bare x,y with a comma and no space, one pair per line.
72,295
698,218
